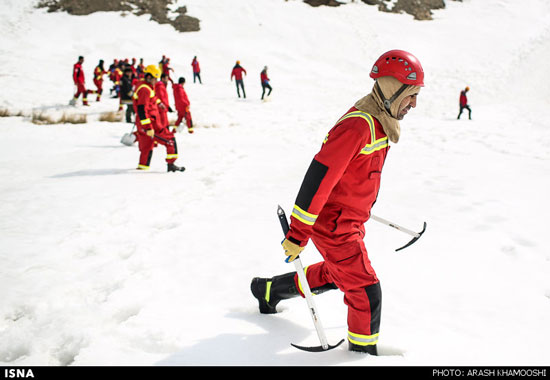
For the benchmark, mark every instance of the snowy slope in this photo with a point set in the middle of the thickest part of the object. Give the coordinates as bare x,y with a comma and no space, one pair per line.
104,265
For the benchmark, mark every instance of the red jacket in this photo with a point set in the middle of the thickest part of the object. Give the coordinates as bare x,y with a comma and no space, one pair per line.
463,98
263,77
162,94
237,72
342,182
180,98
98,74
78,73
196,67
145,106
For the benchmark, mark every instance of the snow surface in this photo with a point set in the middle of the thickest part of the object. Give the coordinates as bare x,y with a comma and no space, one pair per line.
105,265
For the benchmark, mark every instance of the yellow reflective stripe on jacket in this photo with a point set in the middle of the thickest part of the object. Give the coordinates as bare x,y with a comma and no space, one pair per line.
304,216
152,92
375,145
363,340
145,121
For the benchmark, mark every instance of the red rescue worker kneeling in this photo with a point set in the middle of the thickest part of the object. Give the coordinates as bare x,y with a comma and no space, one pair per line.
336,197
150,130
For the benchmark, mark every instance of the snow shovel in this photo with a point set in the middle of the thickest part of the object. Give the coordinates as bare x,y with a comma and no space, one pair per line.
129,138
309,298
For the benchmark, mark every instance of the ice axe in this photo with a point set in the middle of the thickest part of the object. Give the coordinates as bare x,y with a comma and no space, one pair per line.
416,235
309,298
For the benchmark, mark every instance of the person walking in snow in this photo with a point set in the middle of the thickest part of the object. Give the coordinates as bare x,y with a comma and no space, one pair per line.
264,79
238,72
126,92
149,129
182,104
196,70
164,105
99,72
80,82
336,197
463,103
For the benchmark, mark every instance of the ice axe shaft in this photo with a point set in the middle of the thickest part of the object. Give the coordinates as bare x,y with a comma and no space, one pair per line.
416,235
309,297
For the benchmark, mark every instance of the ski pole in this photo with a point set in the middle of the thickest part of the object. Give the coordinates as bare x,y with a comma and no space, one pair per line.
416,235
309,297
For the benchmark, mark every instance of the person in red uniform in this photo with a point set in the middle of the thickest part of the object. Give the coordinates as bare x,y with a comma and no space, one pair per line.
80,83
99,71
149,129
182,104
196,70
140,69
166,68
463,103
164,105
238,72
335,200
264,79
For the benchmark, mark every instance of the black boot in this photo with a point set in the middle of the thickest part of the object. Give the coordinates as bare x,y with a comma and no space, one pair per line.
175,168
370,349
269,291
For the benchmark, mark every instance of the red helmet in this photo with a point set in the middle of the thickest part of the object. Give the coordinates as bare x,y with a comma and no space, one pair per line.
401,65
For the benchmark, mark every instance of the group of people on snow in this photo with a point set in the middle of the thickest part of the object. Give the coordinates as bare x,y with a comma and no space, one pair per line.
337,193
144,92
130,80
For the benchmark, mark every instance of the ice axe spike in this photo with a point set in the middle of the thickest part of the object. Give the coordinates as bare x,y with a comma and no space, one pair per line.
309,298
416,235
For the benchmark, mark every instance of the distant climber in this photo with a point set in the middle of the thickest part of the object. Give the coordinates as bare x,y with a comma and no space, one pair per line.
182,105
99,71
265,82
79,81
196,70
237,72
463,103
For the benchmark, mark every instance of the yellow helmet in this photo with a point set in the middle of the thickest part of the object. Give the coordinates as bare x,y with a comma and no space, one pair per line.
153,70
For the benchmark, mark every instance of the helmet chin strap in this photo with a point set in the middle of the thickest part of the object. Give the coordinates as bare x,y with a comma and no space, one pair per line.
388,102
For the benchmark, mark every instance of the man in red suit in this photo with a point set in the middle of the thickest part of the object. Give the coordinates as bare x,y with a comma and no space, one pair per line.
182,104
150,131
463,103
80,83
336,197
238,72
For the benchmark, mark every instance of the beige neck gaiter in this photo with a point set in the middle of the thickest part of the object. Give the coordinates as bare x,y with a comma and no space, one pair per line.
373,104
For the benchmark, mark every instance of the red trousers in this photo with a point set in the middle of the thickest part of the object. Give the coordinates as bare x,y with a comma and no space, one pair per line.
99,85
184,114
81,89
349,268
146,145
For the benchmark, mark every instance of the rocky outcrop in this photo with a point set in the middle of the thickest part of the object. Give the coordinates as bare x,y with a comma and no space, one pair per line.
158,9
419,9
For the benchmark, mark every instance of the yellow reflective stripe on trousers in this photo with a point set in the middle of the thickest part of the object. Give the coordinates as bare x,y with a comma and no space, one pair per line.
143,167
170,156
304,216
363,340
